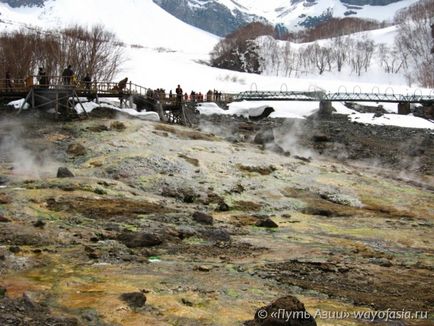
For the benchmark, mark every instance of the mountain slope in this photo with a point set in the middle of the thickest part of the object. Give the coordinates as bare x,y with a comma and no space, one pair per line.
212,16
294,14
134,22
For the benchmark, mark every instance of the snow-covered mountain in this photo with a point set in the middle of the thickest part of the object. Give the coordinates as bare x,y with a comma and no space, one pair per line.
223,16
161,51
139,22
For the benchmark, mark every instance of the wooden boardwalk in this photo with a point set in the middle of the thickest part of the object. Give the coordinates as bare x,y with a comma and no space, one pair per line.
64,98
19,88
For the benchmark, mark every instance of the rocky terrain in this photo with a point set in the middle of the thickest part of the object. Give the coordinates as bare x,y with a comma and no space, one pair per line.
111,221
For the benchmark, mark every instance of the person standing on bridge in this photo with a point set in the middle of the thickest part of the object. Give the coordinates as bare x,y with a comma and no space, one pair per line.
121,86
67,75
179,94
43,79
8,81
87,81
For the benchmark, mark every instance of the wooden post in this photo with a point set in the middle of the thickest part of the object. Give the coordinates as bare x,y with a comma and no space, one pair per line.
57,105
432,34
33,98
25,101
159,108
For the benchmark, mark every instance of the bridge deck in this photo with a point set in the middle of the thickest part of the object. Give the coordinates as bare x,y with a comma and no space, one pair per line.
20,88
337,97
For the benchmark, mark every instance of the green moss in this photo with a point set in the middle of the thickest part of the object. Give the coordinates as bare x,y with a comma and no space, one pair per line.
232,293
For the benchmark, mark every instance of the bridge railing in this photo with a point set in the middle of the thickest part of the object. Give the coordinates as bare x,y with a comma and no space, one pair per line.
57,82
337,97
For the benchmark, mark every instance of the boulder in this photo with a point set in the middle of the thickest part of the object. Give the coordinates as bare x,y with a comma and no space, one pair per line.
139,239
4,219
256,115
285,311
216,235
203,218
263,137
222,207
267,223
63,172
39,224
118,126
134,299
76,150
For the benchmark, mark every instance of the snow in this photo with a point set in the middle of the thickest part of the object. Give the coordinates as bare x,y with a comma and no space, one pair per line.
134,22
173,53
18,104
246,109
407,121
300,110
283,11
90,106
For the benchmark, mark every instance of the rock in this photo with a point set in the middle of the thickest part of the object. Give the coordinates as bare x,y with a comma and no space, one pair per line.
262,170
378,114
28,300
267,223
134,299
139,239
247,126
14,249
381,262
203,218
265,113
187,302
216,235
238,189
90,316
4,219
284,311
3,180
342,199
317,211
320,138
63,172
222,207
304,159
3,292
76,150
98,128
425,112
189,198
264,137
203,268
118,126
185,232
39,224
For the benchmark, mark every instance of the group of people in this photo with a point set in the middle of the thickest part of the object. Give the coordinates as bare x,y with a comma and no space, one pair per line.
181,96
69,78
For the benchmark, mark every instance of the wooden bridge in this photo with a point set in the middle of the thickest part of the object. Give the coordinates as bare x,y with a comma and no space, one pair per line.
63,98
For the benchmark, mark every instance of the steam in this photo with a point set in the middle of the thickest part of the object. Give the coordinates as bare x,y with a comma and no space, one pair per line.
288,137
24,159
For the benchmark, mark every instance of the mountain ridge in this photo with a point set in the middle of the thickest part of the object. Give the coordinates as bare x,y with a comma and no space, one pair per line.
222,17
